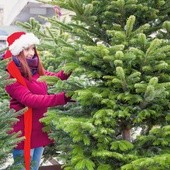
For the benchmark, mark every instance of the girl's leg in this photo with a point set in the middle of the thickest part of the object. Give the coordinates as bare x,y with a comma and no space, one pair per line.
36,157
18,156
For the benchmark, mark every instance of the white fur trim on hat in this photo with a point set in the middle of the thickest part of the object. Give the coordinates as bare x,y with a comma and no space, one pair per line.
23,42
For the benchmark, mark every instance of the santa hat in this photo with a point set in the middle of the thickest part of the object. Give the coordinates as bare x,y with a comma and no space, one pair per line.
21,40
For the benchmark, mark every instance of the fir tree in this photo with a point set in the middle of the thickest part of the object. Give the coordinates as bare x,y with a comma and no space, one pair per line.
118,53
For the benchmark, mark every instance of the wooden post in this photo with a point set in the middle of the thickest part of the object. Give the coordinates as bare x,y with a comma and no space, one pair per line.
51,167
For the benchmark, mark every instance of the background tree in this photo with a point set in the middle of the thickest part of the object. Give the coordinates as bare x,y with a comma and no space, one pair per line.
118,53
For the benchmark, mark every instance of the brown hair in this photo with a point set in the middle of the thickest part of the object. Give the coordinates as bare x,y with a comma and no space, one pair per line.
25,68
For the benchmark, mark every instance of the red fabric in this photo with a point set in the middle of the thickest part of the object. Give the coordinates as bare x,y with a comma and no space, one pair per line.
14,72
7,54
27,132
14,37
35,96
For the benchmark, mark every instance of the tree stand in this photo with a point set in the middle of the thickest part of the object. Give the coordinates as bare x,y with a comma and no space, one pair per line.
54,166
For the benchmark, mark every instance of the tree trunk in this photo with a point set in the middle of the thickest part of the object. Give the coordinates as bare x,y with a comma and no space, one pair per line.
126,134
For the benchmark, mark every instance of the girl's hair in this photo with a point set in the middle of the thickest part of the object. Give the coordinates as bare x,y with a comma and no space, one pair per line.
25,68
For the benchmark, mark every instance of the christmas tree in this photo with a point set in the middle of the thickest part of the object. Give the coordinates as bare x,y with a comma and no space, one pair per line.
118,53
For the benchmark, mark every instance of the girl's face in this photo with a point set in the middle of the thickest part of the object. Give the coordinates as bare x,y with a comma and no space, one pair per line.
29,51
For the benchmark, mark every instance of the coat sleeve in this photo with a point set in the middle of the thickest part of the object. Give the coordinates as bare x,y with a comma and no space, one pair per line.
60,74
23,95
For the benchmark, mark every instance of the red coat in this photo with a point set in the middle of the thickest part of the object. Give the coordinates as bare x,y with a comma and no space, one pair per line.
35,97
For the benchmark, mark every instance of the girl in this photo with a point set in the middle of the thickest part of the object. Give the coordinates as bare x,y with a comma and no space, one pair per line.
26,67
